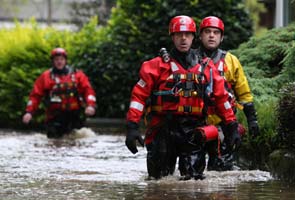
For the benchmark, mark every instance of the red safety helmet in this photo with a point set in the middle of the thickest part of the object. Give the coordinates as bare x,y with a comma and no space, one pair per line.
58,52
182,23
212,21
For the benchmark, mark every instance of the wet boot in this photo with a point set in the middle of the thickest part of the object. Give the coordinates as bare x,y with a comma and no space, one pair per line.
157,165
185,167
227,158
198,164
159,159
153,167
172,164
214,162
192,165
54,130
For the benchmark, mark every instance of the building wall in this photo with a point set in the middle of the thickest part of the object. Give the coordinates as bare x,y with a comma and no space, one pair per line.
23,10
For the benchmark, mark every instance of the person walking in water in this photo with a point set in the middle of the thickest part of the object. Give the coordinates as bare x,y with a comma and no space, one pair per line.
179,88
66,91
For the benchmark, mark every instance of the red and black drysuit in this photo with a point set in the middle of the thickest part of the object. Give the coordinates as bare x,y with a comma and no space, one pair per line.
177,90
65,92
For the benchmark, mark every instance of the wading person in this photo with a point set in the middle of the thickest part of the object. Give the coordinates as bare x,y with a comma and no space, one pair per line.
228,66
179,88
66,92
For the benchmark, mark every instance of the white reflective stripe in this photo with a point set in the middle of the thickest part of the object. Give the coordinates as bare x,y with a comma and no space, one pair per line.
91,98
227,105
141,83
170,77
230,95
220,66
73,77
29,103
200,68
173,67
57,80
220,134
182,76
136,105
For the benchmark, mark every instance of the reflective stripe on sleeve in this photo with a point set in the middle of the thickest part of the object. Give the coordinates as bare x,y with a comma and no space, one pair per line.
91,98
136,105
141,83
29,103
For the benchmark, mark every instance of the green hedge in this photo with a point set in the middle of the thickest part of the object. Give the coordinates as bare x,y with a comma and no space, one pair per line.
110,55
269,63
136,31
24,54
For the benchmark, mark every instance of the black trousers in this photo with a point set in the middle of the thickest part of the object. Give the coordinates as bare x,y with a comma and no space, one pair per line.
175,138
63,123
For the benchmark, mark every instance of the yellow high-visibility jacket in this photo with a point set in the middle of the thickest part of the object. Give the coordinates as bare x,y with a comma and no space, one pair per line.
235,76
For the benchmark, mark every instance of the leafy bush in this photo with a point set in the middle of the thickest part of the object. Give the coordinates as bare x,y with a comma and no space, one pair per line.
24,54
286,115
136,31
269,62
110,55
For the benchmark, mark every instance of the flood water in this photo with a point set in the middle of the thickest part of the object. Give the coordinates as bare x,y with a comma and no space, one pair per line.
94,166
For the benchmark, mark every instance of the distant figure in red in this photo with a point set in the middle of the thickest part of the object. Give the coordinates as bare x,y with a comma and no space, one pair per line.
66,92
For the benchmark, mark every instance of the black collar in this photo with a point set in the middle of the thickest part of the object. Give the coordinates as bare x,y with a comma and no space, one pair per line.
63,71
186,59
207,52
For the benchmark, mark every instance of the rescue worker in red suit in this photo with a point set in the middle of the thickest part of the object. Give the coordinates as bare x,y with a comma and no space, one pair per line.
65,90
211,36
177,88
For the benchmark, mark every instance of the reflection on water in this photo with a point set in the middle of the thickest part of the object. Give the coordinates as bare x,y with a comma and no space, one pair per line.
92,166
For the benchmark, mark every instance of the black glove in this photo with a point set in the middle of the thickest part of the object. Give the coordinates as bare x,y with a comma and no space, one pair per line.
234,140
133,134
251,115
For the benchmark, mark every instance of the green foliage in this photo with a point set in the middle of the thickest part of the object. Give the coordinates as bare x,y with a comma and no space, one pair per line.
136,31
288,72
24,54
255,7
286,115
269,61
282,164
254,151
91,49
111,56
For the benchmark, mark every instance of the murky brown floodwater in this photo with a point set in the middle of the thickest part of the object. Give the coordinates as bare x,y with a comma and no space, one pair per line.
93,166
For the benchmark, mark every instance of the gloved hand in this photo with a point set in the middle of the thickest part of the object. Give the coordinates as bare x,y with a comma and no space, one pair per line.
133,134
27,118
253,128
234,140
89,111
251,115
